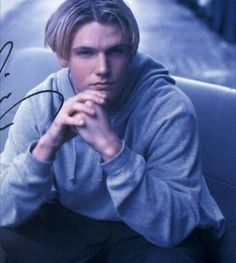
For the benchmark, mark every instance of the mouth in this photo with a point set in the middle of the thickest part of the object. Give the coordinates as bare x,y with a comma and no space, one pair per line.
102,85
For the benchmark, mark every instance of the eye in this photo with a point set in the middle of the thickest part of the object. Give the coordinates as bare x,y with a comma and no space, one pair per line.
117,50
84,53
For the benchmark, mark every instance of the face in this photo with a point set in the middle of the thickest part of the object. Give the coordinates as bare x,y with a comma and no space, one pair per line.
99,59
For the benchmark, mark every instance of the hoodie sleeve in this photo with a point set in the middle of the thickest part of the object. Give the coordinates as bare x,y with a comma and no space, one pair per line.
25,182
155,182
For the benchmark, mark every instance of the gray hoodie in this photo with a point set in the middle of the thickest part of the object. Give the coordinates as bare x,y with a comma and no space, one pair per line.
154,184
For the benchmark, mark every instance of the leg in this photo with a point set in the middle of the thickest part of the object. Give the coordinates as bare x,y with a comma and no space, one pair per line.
53,235
136,249
3,256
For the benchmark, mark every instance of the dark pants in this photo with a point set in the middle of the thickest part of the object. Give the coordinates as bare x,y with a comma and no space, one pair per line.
57,235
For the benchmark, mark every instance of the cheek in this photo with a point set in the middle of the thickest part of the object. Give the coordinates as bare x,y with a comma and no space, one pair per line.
80,74
79,69
122,70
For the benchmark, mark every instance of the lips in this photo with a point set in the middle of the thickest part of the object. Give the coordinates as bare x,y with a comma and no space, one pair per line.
102,85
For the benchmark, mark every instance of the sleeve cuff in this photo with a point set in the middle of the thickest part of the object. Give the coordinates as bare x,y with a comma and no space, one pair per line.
102,163
32,161
125,162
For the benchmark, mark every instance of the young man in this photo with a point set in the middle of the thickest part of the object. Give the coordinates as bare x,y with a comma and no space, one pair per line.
121,155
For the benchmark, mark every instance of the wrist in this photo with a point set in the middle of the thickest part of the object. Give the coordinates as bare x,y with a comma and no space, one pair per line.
111,149
44,149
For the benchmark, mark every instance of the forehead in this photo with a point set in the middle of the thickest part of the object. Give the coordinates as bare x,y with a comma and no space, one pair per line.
97,35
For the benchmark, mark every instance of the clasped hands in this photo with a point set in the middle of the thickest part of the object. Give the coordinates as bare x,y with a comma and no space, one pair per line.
82,114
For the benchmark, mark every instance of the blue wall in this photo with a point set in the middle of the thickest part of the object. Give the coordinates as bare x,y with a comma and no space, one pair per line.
220,14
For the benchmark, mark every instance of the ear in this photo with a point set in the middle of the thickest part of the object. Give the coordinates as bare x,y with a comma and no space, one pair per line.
63,62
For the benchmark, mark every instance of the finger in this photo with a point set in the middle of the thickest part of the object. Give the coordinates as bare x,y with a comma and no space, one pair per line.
96,92
76,120
95,96
97,108
72,106
81,107
89,103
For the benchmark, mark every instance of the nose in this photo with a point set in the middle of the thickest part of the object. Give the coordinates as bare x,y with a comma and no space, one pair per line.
102,65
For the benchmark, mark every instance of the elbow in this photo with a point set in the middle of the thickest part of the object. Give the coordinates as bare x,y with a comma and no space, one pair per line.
13,218
174,233
167,242
9,219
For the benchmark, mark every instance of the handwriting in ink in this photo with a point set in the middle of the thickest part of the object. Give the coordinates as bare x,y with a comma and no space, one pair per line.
27,97
9,45
5,97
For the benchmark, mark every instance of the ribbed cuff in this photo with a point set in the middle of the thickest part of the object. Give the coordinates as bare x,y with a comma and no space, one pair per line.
38,166
102,163
125,163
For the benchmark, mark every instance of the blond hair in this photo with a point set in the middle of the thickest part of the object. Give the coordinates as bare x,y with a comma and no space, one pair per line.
72,14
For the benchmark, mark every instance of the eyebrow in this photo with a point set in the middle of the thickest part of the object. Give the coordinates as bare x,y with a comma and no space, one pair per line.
119,46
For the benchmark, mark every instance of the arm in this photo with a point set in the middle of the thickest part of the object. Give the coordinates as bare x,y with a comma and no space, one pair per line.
26,162
25,182
156,191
